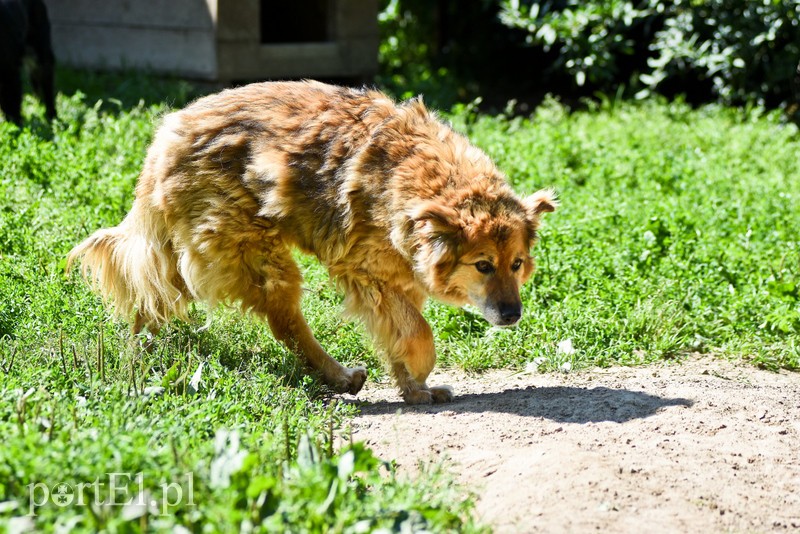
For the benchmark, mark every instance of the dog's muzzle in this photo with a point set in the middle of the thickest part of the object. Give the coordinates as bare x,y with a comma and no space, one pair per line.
509,312
503,313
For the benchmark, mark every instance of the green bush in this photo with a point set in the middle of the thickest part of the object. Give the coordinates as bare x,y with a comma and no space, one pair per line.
416,58
748,50
736,51
593,39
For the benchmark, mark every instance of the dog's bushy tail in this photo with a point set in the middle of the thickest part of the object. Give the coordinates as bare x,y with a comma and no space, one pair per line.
133,266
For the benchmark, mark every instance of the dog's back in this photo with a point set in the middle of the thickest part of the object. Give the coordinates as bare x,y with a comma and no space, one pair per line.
280,151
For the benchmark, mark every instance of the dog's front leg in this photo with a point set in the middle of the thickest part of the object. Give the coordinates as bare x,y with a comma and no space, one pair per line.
398,327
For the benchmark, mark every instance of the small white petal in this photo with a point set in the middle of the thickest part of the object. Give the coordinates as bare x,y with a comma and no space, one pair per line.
534,365
565,347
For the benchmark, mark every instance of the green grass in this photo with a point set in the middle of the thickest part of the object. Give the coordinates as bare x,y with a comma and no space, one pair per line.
677,233
254,444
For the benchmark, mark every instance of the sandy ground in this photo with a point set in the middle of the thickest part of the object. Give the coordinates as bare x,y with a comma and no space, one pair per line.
702,446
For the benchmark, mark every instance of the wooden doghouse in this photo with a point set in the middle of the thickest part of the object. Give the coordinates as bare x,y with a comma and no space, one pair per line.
220,40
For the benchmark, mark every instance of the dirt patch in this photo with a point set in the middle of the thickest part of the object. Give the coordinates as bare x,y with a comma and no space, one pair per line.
706,445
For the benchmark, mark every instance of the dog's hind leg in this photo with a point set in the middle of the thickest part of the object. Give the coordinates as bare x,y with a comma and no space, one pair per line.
140,322
42,75
280,303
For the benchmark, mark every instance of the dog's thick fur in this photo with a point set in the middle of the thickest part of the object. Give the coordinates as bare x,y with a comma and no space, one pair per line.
396,205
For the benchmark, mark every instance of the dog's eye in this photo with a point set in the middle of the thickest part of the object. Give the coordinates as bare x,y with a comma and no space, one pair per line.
516,265
484,267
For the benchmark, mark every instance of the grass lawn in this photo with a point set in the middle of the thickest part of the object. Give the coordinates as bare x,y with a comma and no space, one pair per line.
677,233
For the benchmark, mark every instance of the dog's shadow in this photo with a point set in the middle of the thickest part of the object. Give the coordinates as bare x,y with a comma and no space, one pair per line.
565,404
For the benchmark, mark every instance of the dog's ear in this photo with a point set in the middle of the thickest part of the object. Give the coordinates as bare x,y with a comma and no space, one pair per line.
438,233
438,220
540,202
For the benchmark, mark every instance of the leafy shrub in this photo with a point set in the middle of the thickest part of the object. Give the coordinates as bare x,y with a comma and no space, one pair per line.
748,50
453,51
404,51
738,51
592,38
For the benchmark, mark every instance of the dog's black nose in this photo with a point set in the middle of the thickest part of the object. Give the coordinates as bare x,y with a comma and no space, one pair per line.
510,312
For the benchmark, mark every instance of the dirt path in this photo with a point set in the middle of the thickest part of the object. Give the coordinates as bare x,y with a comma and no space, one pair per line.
705,446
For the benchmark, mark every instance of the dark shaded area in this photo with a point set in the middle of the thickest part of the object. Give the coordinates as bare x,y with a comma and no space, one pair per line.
564,404
472,54
302,21
25,30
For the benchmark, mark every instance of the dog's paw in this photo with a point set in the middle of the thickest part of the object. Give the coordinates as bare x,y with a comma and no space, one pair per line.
425,395
356,376
418,396
441,394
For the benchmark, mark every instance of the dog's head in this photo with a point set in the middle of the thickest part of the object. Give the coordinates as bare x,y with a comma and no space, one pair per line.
478,252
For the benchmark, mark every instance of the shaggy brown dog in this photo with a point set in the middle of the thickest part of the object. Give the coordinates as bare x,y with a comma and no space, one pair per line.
396,205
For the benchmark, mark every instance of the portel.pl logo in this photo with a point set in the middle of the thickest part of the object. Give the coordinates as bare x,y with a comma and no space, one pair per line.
121,489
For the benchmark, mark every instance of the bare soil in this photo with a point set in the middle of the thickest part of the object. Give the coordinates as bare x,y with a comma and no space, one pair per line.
703,446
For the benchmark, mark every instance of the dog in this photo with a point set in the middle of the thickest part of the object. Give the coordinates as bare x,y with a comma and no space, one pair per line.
24,25
389,198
